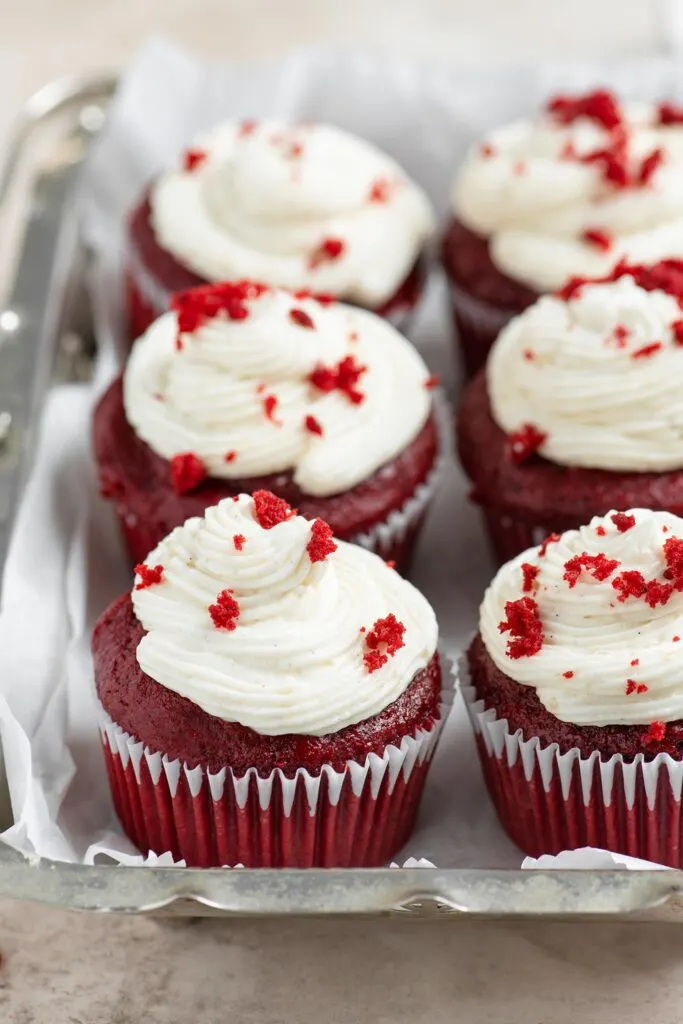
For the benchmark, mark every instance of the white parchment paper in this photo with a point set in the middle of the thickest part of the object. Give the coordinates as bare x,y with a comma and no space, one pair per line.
66,562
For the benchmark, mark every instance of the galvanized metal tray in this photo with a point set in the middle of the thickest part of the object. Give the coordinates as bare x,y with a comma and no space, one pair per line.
46,333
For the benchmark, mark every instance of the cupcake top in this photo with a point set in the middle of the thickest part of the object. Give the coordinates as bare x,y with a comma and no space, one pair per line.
591,377
259,617
298,205
589,182
252,380
593,620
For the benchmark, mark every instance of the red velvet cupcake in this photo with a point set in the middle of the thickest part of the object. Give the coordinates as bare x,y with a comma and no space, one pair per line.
245,387
580,408
304,206
590,182
268,696
575,689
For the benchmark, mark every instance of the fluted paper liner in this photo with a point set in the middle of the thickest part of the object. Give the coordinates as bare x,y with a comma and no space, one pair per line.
477,325
549,801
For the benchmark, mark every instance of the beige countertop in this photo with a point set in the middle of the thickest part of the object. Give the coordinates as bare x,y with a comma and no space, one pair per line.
61,968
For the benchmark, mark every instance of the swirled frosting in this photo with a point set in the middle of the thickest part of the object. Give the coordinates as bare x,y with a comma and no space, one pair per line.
262,199
531,191
294,661
598,374
611,623
241,389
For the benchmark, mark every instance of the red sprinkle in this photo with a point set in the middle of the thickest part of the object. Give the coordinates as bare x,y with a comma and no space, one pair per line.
197,305
568,675
655,733
239,540
649,166
301,318
381,191
525,628
225,612
529,574
552,538
623,522
149,575
629,583
383,641
271,510
432,382
269,407
321,544
598,238
677,329
647,350
523,443
329,249
230,456
194,158
342,377
600,106
312,425
187,472
633,687
599,566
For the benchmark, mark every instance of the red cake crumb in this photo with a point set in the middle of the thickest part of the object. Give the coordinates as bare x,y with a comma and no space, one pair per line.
598,238
601,531
381,190
599,566
655,733
194,158
669,113
666,276
675,639
529,574
612,161
269,407
187,472
600,106
324,298
383,641
649,166
353,336
312,425
636,661
294,151
633,687
329,249
629,583
149,575
230,456
342,377
390,563
301,318
270,510
321,544
239,541
673,556
529,355
523,443
525,627
552,538
432,381
568,151
621,335
658,593
247,127
677,331
225,612
487,150
647,350
197,305
623,522
568,675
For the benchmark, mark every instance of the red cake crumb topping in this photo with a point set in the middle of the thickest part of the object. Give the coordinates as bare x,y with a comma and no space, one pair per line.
230,456
568,151
649,166
621,335
225,612
329,249
247,127
655,733
669,113
636,661
194,158
312,425
324,298
666,276
529,355
612,161
271,510
239,541
301,318
390,563
432,382
599,566
294,151
197,305
383,641
487,150
675,639
633,687
353,336
269,407
529,574
658,593
342,377
187,472
568,675
552,538
525,628
677,331
523,443
600,106
149,575
623,522
673,556
598,238
381,190
601,531
629,583
321,544
647,350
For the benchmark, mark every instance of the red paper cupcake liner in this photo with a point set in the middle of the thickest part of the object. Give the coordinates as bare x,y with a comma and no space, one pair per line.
548,801
358,817
477,325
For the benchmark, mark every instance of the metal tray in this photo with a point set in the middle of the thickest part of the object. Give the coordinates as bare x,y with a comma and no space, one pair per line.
45,334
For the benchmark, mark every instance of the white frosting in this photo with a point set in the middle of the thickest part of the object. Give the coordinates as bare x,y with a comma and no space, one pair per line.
253,209
560,367
294,662
208,397
589,632
533,204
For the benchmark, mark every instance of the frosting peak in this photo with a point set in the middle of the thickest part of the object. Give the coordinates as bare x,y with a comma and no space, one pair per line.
298,205
256,380
594,620
257,623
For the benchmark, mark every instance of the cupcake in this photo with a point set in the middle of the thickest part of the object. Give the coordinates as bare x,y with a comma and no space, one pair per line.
304,206
268,696
575,689
591,182
579,409
244,387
